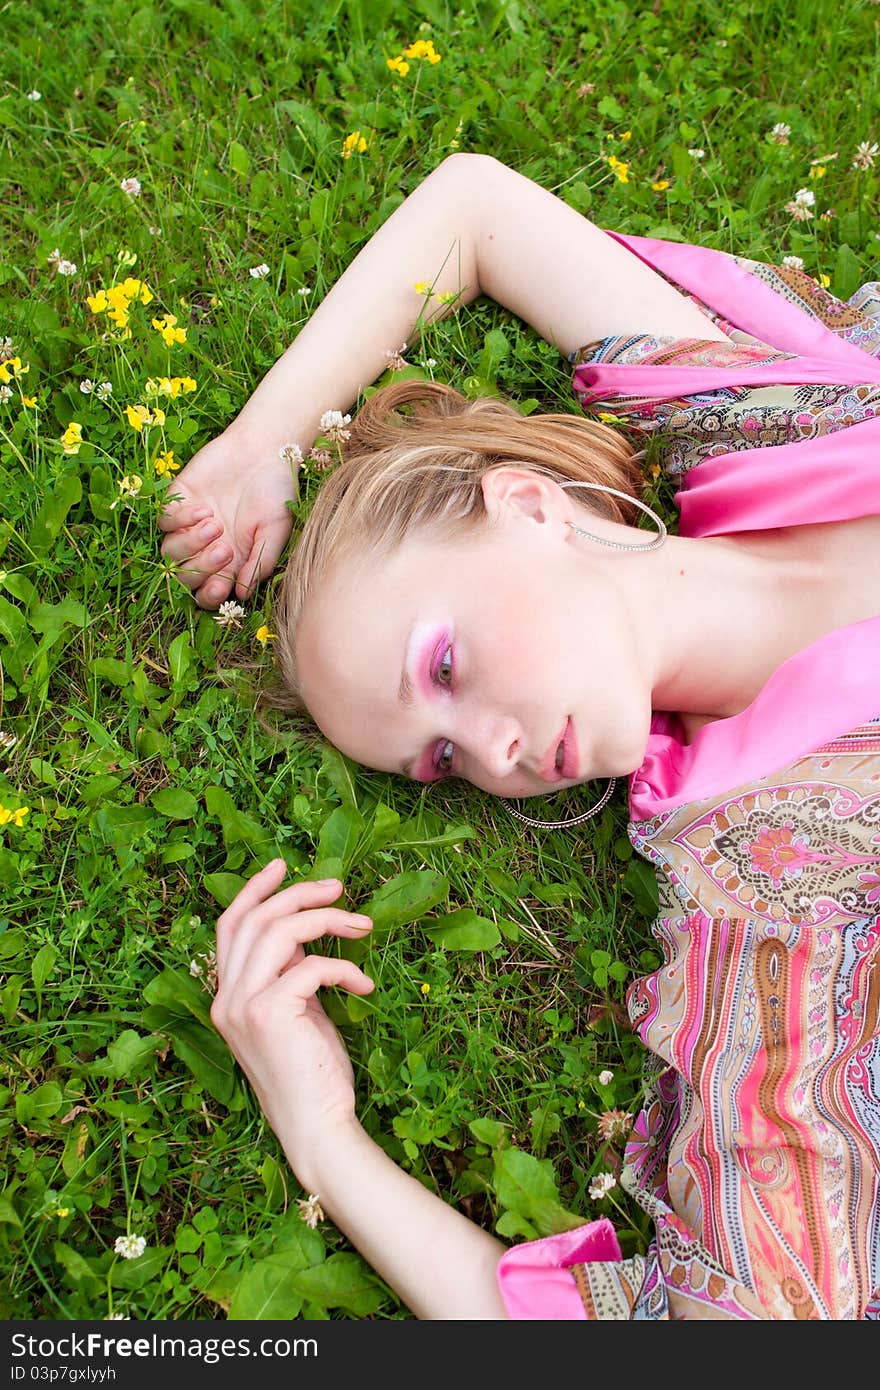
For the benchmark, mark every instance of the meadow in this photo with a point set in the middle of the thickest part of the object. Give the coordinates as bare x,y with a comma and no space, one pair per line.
180,184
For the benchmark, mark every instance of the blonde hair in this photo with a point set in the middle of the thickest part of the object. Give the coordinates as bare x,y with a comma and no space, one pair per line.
416,458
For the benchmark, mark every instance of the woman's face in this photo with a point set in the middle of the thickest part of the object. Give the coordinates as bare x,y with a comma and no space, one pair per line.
505,656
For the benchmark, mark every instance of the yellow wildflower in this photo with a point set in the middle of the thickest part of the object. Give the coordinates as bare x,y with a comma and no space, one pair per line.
138,416
426,989
167,326
119,316
353,144
72,438
606,418
187,383
12,367
62,1212
824,281
654,471
398,65
818,171
263,635
422,287
621,170
422,48
129,486
660,185
447,296
166,463
98,303
29,401
137,289
16,817
625,135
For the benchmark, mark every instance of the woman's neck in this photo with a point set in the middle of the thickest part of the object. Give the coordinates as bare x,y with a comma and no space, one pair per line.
723,614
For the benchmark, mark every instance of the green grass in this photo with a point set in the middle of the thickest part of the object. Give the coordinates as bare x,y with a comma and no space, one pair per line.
151,790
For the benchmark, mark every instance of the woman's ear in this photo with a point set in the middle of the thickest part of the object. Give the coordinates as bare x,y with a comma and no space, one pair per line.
523,493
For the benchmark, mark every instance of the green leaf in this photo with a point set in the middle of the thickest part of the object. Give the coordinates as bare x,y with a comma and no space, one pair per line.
340,773
342,1281
239,159
224,887
464,931
137,1274
526,1186
273,1181
641,881
42,965
175,803
491,1132
847,272
206,1055
266,1289
8,1215
405,898
179,994
237,826
339,838
181,659
38,1106
128,1055
53,513
78,1270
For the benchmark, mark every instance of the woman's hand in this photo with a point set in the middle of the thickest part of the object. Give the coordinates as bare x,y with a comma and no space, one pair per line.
266,1008
231,521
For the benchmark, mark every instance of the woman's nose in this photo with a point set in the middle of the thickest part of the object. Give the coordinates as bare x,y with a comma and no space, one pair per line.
500,746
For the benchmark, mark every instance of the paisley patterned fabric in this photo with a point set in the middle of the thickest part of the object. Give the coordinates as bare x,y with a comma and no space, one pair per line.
757,1151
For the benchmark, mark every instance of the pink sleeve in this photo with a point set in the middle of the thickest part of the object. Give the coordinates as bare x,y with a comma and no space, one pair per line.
534,1278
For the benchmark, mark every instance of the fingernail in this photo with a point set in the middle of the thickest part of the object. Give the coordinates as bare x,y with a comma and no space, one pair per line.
326,882
362,921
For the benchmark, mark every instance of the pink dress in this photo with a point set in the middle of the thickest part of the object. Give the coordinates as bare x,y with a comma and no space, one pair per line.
757,1152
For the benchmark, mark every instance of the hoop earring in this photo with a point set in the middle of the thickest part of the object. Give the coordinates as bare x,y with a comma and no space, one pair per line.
620,545
572,820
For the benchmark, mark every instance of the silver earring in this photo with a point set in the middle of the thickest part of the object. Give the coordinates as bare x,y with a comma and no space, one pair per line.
572,820
620,545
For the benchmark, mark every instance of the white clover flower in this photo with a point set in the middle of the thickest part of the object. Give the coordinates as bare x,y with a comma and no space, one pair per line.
310,1210
396,359
5,393
35,95
304,291
291,454
429,362
697,154
865,155
800,211
602,1184
333,424
230,614
196,970
155,231
7,741
258,272
103,390
66,267
606,1077
806,197
130,1247
132,187
793,262
780,133
87,386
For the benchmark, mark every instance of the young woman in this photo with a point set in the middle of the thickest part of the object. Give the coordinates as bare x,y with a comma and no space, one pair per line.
471,597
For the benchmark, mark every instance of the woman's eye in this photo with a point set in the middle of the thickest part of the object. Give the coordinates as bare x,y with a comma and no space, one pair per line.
443,761
443,672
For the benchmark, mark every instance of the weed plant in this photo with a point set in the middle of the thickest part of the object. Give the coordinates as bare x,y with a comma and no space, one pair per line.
223,163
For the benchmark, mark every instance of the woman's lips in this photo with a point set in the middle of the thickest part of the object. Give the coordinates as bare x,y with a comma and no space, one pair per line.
550,770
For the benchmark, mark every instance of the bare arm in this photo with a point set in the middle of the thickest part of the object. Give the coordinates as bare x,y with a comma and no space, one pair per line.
472,227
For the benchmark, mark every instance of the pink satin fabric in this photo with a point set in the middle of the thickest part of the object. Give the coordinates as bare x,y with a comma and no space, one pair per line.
534,1279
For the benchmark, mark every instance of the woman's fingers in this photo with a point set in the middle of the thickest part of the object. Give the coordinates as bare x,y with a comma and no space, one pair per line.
262,558
254,965
178,514
254,1016
260,889
186,541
